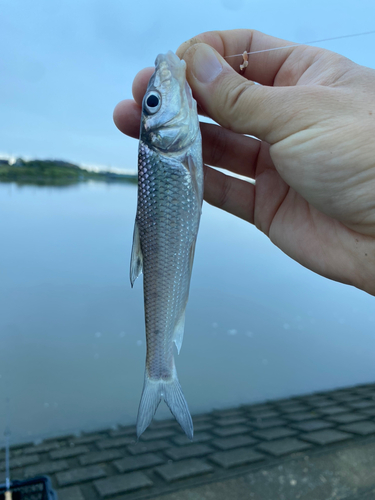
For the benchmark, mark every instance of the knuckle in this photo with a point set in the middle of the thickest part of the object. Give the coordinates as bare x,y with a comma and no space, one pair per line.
218,147
224,192
236,102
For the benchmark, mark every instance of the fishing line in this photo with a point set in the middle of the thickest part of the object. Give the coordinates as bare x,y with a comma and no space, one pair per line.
7,434
296,44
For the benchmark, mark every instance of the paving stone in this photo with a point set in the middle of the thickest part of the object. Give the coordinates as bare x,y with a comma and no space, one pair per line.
72,451
293,408
20,461
259,407
227,413
274,433
362,428
128,464
230,431
327,436
79,475
223,422
46,468
164,424
312,425
202,426
333,410
146,447
233,442
123,431
299,417
200,437
183,470
269,422
319,402
97,457
286,402
338,392
16,449
88,439
346,398
283,446
263,415
70,493
41,448
363,390
115,485
201,418
347,418
359,405
194,450
157,434
115,442
369,411
237,457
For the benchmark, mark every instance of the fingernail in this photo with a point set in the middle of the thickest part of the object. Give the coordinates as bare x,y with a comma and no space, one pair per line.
206,66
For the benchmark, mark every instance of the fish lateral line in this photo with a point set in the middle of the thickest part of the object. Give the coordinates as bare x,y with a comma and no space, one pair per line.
297,44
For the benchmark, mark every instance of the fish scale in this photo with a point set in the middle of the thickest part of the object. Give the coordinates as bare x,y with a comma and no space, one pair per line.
166,235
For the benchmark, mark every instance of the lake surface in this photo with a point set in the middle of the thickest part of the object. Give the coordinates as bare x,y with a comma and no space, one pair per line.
72,342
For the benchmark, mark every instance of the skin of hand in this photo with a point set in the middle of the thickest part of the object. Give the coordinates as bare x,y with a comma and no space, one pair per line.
312,154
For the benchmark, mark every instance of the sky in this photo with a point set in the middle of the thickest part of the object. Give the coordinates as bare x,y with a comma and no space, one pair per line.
65,65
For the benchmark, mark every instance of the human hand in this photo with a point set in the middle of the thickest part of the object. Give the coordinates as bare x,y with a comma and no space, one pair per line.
314,162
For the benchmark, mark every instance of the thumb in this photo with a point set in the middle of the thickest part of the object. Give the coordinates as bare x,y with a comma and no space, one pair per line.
236,103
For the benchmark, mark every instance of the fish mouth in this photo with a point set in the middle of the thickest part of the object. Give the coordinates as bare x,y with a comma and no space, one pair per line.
170,65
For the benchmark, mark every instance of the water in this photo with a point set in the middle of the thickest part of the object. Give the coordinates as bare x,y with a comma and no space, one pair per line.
258,325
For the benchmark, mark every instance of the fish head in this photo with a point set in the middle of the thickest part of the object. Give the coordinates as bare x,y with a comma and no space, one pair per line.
169,112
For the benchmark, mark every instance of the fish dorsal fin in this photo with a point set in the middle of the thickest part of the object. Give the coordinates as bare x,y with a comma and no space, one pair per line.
136,262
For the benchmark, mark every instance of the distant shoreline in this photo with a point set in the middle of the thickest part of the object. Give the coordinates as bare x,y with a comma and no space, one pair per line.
54,173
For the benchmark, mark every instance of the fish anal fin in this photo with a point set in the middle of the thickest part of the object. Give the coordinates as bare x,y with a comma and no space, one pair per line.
178,334
136,262
191,256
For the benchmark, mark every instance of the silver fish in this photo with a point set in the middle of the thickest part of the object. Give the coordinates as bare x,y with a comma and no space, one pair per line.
170,194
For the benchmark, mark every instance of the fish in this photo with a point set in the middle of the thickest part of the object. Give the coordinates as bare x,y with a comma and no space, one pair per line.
169,206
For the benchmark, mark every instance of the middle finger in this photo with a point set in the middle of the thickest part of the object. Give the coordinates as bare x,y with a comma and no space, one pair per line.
237,153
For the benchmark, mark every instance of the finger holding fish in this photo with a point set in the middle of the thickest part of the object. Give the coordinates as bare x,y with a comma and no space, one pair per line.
263,67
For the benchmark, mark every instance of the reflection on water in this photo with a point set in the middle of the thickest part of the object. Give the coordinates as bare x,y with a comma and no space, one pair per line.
72,351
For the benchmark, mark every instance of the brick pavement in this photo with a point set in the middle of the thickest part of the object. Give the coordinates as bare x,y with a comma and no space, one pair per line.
227,443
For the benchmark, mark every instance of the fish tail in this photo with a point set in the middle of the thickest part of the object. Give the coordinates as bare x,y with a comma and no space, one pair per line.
176,402
171,392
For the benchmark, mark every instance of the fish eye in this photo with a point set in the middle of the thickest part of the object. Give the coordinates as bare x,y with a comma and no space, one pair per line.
152,102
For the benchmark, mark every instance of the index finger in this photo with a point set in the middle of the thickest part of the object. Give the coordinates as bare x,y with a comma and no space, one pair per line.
263,67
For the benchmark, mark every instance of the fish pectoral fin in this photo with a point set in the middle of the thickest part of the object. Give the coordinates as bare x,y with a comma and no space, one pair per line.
178,334
190,165
136,262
